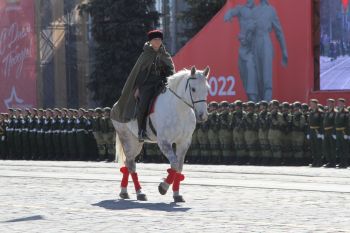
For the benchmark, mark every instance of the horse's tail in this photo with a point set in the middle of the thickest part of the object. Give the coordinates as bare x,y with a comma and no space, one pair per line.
119,151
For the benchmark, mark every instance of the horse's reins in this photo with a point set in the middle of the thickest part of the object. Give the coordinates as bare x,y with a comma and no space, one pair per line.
188,84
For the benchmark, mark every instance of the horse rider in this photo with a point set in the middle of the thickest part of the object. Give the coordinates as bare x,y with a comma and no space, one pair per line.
146,80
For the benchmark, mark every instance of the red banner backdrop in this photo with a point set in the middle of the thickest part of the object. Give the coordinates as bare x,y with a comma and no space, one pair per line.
17,54
217,45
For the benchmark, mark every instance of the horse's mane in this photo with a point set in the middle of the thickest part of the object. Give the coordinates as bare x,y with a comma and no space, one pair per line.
176,78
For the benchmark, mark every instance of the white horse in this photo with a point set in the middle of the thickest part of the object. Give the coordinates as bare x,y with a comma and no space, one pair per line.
174,119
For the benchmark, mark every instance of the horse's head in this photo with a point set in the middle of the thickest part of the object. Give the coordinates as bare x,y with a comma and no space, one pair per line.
198,87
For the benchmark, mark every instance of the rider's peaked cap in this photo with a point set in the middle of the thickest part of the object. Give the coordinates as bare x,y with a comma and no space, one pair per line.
154,34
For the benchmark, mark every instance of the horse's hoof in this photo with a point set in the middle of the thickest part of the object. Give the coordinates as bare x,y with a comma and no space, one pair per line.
142,197
124,196
161,189
179,199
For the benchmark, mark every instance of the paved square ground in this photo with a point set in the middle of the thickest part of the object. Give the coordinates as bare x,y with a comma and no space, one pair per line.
56,197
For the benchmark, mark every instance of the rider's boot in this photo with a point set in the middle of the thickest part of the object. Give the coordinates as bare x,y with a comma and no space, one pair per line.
142,135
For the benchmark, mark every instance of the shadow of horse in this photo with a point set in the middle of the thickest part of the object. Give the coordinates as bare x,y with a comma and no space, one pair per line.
130,204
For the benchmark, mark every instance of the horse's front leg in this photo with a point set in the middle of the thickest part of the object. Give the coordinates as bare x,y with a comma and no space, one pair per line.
181,150
174,173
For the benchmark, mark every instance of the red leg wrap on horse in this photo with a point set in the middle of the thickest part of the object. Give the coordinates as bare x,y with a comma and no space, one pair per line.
178,178
125,178
135,179
171,176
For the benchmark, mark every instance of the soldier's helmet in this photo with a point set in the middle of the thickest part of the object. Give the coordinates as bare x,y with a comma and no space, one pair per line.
263,103
341,100
285,105
330,100
231,105
297,104
107,109
275,103
304,107
224,104
314,101
238,103
98,110
213,104
250,104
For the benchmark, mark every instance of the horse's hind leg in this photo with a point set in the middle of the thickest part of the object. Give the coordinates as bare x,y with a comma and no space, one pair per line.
131,148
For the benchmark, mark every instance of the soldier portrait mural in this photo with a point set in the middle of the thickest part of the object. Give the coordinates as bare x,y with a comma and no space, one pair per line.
256,49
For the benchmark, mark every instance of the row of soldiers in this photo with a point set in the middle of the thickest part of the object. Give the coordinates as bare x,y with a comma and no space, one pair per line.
57,134
236,133
274,134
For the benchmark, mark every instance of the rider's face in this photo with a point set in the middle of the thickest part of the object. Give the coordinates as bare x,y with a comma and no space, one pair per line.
156,43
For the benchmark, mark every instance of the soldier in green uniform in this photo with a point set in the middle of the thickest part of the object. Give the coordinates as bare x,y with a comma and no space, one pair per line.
193,153
26,149
81,135
10,133
342,130
287,154
3,154
63,134
203,141
225,133
297,135
213,133
18,135
275,133
315,133
72,139
93,151
263,125
238,132
233,156
40,135
306,148
56,134
250,122
108,133
329,146
32,133
48,134
97,131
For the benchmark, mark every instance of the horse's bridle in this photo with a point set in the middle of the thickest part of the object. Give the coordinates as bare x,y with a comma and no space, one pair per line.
188,84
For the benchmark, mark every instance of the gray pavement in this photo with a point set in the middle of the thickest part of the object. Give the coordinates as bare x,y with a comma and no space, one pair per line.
335,75
39,196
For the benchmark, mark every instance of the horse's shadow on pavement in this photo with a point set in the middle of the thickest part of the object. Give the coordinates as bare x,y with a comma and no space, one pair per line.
130,204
